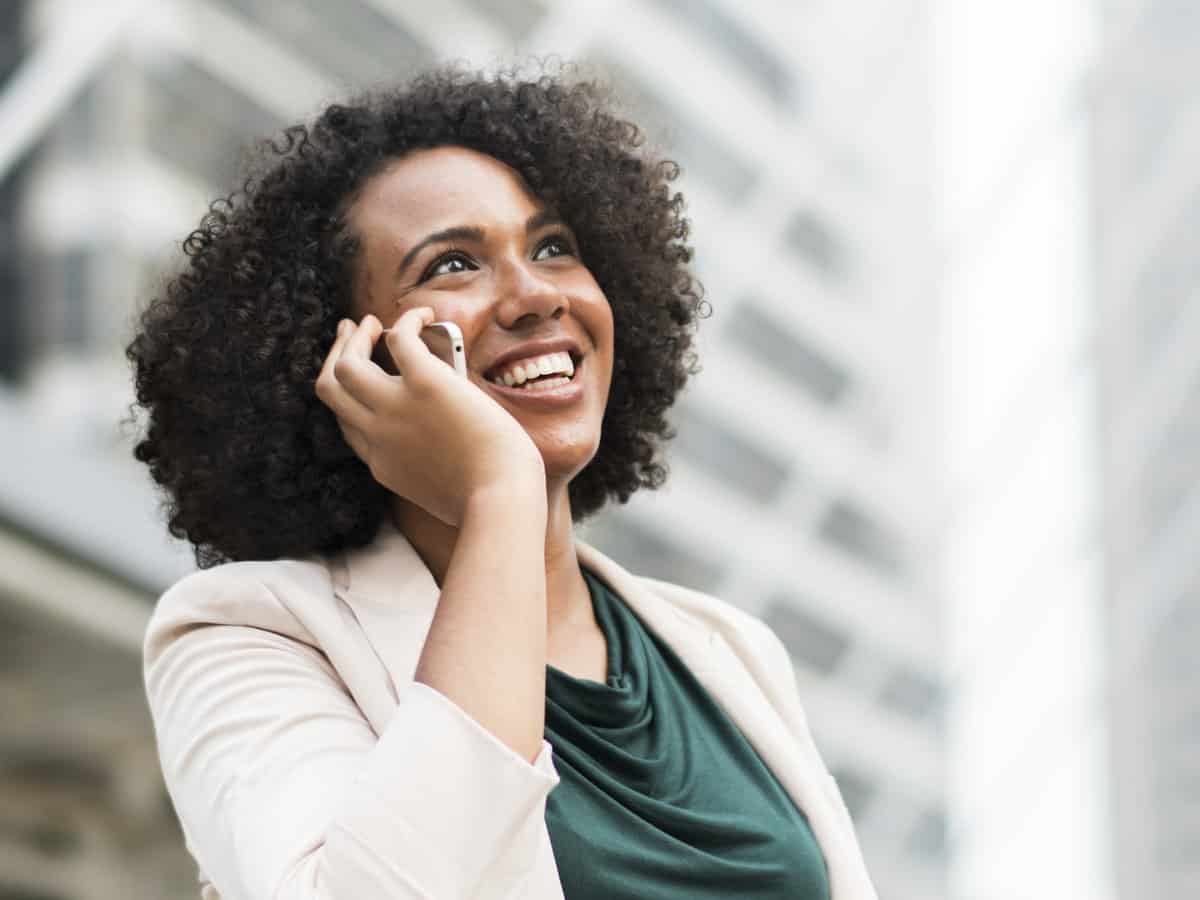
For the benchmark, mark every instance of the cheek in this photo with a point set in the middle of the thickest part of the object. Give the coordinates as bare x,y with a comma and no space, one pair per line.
598,316
444,305
606,335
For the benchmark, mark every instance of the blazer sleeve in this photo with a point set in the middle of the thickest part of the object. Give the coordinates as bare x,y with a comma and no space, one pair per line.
286,793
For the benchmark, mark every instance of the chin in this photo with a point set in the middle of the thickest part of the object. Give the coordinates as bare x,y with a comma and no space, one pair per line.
563,463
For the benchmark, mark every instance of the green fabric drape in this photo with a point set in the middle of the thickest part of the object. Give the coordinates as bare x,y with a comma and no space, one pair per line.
661,797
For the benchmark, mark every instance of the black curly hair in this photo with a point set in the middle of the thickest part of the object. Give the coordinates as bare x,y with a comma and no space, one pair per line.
225,358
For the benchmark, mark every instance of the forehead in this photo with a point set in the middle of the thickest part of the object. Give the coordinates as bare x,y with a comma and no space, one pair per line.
441,187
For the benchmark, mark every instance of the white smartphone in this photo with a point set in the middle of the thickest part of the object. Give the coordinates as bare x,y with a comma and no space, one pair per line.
444,340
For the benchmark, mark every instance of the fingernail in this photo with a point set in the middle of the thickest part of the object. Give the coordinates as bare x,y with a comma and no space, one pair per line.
341,329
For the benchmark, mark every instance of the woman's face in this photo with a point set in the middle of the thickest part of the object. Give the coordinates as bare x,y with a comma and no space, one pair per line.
460,232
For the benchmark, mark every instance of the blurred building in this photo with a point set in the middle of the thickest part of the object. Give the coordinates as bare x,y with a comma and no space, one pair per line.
1146,134
804,474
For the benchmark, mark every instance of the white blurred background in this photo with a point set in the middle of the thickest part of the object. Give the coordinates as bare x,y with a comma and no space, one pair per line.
955,465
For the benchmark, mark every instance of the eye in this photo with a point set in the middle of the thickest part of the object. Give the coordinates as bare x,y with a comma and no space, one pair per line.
558,242
448,264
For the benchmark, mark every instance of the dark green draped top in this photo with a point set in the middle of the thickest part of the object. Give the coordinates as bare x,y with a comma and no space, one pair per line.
661,797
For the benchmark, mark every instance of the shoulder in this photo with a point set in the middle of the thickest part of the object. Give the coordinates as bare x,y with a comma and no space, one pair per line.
755,646
721,616
746,634
272,595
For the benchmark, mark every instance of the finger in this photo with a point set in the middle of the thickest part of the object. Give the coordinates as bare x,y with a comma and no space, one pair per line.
332,392
344,330
357,372
363,339
361,376
404,342
356,439
349,411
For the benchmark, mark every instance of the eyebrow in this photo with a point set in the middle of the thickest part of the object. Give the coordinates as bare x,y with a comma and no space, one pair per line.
471,233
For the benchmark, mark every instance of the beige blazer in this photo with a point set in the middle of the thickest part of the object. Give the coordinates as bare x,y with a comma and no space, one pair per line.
304,761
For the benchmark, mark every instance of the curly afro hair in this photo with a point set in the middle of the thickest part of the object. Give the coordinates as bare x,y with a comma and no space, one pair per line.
225,358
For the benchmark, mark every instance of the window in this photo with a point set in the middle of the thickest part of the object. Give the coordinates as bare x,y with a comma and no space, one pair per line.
812,641
516,17
200,124
928,836
811,237
1166,283
739,45
655,555
1171,471
857,789
1172,22
754,332
59,766
1179,629
351,40
15,340
74,268
78,129
727,456
13,37
848,528
1172,660
696,148
20,303
913,694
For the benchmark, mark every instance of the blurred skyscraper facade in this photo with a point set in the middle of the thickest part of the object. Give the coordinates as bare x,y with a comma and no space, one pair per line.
804,479
1146,136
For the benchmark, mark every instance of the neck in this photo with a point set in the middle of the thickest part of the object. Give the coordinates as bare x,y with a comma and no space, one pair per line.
567,599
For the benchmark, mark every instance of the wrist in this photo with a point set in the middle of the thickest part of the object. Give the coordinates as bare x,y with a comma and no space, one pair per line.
522,499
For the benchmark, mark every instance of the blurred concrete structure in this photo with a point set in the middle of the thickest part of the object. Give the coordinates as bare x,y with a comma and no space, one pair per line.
1146,135
804,481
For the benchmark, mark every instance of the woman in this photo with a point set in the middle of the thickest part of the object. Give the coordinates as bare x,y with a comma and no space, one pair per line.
398,673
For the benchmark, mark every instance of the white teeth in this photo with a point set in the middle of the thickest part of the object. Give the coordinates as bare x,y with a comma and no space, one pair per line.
527,370
547,384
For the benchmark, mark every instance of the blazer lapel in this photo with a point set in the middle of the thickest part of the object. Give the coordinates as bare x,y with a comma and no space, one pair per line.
393,596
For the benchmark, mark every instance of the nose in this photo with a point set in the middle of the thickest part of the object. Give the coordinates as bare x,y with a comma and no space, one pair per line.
527,297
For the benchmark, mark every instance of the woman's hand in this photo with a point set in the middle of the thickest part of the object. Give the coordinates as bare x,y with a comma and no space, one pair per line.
428,434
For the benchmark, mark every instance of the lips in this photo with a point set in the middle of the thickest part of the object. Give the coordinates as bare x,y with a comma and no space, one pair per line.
533,349
541,399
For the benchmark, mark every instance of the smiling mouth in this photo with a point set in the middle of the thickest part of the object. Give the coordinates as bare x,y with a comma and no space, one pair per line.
545,392
543,373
